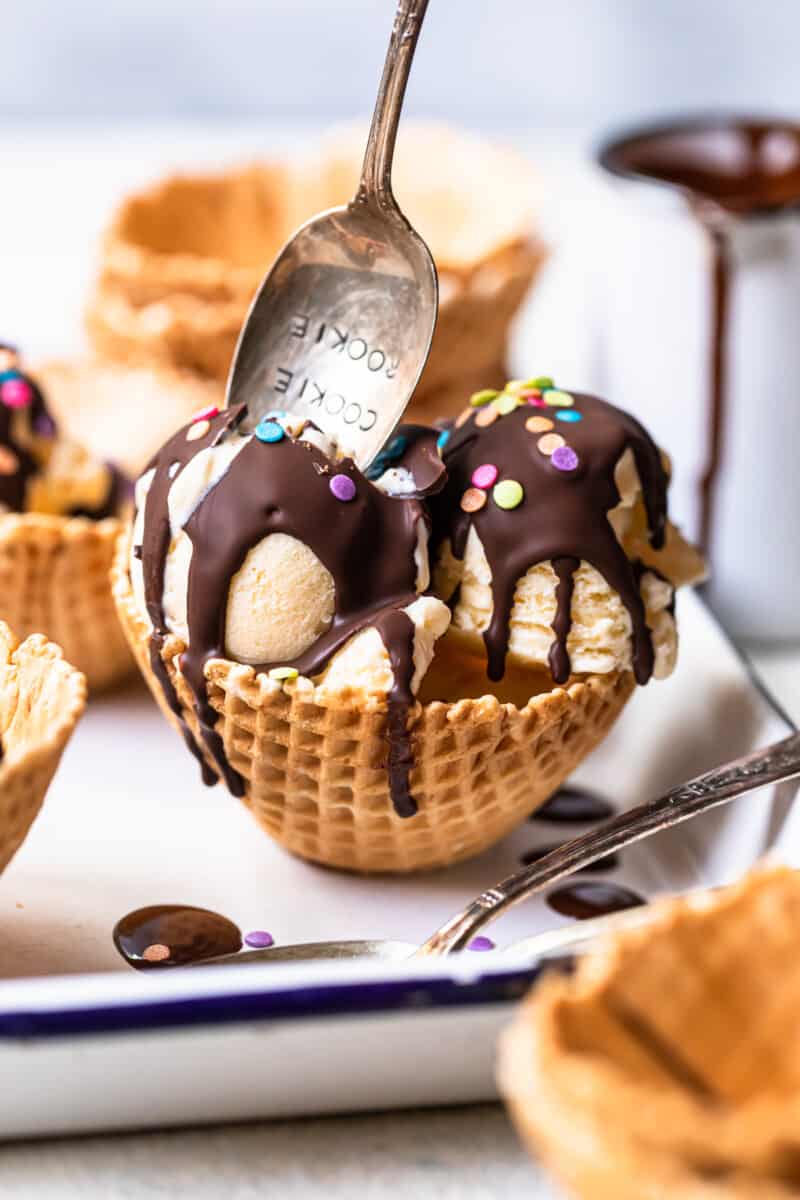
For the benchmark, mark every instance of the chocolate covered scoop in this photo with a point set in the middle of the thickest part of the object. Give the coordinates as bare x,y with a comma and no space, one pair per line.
270,550
545,489
40,470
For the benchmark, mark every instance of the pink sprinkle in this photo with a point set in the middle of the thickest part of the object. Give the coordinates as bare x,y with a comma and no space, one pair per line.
484,476
536,399
564,458
205,414
16,393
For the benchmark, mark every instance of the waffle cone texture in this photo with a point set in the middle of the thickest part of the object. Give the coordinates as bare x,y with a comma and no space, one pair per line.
54,579
41,699
314,765
181,261
669,1065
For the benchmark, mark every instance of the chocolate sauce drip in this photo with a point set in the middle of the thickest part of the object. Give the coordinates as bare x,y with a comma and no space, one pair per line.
284,487
609,863
727,169
167,464
421,458
171,935
574,806
589,899
562,518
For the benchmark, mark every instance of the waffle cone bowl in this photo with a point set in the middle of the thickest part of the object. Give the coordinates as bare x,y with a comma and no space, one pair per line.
182,260
314,765
669,1065
41,700
54,575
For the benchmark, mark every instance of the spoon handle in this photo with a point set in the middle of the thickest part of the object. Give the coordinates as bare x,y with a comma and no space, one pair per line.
376,172
774,764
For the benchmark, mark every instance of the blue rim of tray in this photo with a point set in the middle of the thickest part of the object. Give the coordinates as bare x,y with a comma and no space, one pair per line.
346,998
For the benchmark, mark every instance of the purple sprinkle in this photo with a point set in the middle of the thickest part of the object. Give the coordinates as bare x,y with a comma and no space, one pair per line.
259,939
564,459
481,943
343,487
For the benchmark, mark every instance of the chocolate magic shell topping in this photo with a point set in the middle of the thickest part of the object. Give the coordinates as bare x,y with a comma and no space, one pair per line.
365,539
534,475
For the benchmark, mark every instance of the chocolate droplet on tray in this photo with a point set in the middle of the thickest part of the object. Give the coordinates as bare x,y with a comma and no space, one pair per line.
574,805
588,899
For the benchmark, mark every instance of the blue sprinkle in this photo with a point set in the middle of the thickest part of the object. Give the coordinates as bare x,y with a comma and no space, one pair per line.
396,446
6,375
269,431
569,415
443,439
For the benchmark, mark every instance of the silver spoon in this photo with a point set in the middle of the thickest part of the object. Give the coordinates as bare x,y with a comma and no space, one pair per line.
775,764
341,327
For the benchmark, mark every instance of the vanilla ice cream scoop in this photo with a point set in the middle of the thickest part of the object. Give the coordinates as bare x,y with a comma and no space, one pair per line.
552,535
271,550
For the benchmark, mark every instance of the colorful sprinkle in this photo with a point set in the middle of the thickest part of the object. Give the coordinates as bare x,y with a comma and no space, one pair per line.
473,500
480,943
463,417
281,674
485,475
515,386
443,439
486,416
506,404
343,488
270,431
542,381
197,431
550,442
508,494
536,399
206,414
157,952
565,458
259,939
558,399
16,393
538,424
9,463
570,415
478,399
44,425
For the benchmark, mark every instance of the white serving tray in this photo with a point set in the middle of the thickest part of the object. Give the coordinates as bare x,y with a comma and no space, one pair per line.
87,1044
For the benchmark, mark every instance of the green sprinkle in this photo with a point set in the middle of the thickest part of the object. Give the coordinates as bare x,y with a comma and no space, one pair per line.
541,381
508,494
506,404
558,399
478,399
280,674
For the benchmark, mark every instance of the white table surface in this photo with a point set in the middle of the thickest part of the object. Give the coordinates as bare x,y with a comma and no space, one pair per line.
63,186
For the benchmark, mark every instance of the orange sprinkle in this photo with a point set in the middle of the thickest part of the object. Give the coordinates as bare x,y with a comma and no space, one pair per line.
156,953
486,416
550,442
473,500
538,424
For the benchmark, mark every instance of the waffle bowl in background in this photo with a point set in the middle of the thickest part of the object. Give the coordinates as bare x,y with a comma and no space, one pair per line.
314,765
668,1066
181,261
41,700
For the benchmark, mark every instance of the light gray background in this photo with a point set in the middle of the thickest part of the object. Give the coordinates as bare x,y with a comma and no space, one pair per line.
490,63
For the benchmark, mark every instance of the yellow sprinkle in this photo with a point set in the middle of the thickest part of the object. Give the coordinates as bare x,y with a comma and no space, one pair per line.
558,399
197,431
515,386
506,404
538,424
478,399
508,494
279,674
549,443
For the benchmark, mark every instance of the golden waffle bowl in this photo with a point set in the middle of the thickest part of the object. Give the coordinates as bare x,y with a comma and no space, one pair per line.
181,261
41,700
668,1066
54,579
315,765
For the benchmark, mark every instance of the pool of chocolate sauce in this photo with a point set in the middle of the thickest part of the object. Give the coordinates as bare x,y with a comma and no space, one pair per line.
728,168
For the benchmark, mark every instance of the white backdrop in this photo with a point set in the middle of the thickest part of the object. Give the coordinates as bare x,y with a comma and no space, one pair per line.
491,63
